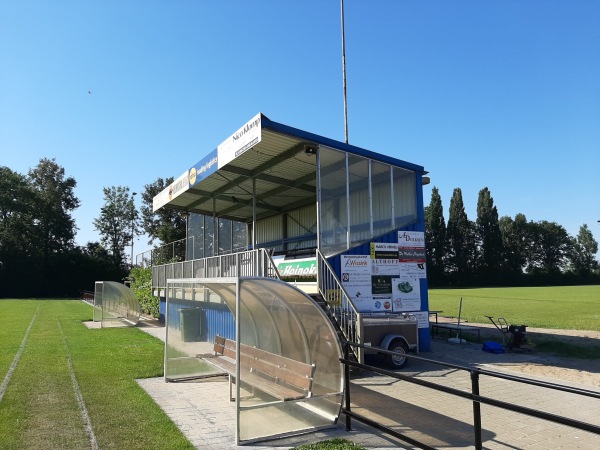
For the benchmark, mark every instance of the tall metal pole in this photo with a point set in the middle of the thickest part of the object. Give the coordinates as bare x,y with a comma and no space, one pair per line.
133,194
344,74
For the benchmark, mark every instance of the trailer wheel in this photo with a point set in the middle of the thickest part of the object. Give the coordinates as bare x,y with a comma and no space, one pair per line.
397,361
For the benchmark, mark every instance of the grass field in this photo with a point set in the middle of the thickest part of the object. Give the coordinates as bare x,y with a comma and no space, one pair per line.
39,407
563,307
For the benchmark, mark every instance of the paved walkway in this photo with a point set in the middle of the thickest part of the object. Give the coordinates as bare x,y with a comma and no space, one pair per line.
206,416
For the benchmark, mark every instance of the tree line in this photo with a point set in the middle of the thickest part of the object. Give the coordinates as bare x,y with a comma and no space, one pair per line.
502,251
38,253
39,257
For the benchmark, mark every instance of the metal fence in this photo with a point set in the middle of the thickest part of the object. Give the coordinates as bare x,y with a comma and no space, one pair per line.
172,252
251,263
474,396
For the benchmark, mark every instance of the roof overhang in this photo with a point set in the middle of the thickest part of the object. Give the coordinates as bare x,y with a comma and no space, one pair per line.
264,168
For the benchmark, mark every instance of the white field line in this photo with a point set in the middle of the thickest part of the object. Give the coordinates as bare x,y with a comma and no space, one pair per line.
17,357
79,397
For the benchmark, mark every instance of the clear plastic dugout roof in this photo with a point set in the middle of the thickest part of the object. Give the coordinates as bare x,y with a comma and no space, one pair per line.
284,352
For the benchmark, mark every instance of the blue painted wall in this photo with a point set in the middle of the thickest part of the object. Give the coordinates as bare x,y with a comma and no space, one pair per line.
216,319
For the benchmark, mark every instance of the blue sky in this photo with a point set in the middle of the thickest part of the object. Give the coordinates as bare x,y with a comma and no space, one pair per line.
501,94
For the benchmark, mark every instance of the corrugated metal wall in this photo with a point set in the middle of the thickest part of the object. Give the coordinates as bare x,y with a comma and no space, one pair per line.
269,229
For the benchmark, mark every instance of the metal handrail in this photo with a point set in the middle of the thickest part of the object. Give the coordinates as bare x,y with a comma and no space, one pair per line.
474,396
157,250
339,304
250,263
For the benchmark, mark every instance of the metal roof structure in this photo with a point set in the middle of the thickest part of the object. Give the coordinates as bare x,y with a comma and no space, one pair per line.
263,169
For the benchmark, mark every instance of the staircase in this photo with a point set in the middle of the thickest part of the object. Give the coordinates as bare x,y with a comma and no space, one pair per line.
336,302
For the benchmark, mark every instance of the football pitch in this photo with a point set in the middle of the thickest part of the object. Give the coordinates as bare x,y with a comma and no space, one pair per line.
557,307
69,387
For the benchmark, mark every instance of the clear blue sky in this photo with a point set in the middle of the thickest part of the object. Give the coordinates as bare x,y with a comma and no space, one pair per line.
501,94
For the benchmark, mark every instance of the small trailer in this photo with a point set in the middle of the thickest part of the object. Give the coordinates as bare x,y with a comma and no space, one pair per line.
398,333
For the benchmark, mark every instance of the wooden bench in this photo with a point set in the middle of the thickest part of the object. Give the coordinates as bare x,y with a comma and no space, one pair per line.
456,328
275,375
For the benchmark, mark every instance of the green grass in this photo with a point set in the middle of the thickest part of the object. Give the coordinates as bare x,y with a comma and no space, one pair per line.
331,444
39,408
564,307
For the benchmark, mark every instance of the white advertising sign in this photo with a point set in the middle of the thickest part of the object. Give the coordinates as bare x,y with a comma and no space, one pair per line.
242,140
422,318
176,188
406,294
356,278
413,270
411,239
385,258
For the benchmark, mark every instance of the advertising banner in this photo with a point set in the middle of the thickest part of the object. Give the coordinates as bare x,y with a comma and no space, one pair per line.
356,279
413,270
383,281
411,246
385,258
203,168
177,187
411,239
239,142
297,268
406,294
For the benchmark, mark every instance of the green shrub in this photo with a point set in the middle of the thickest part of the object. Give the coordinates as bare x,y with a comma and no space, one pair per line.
141,285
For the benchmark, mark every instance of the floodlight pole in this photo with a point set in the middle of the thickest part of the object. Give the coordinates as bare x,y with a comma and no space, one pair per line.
133,194
344,74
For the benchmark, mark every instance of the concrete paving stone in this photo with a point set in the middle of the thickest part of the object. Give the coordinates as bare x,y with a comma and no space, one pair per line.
204,410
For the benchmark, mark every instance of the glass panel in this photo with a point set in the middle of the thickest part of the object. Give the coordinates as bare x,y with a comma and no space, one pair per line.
117,305
98,301
224,236
209,230
195,315
333,216
195,236
382,193
405,197
360,202
290,374
240,240
290,378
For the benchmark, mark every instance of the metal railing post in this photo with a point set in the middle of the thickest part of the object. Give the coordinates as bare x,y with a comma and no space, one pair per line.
347,386
476,410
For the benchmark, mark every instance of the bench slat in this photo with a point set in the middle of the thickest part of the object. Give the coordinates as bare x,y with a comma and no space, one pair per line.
273,374
298,367
276,390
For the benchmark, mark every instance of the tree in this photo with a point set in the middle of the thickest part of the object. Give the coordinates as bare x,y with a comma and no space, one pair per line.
435,235
166,225
583,255
16,214
550,247
515,241
461,239
54,201
118,222
488,235
96,250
